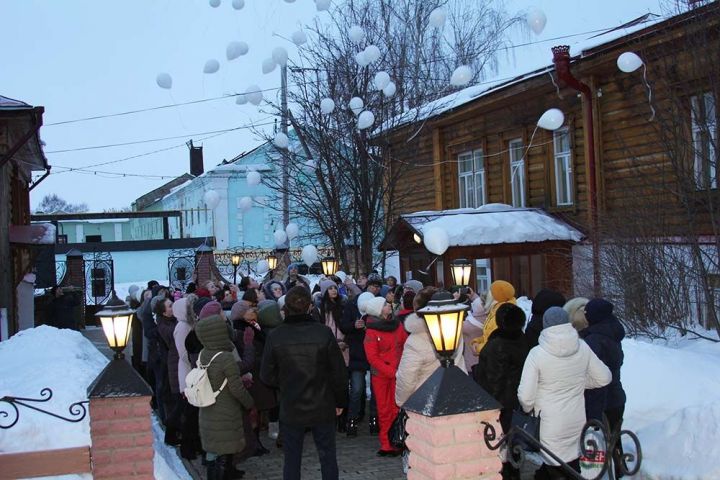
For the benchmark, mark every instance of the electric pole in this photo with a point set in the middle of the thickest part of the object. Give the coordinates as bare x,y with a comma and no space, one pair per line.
284,129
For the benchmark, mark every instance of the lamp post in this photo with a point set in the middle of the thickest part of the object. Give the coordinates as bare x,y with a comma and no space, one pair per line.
461,270
235,259
444,320
272,261
329,266
115,319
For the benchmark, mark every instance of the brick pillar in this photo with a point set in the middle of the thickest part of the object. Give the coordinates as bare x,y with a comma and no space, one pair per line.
204,262
445,431
120,424
75,269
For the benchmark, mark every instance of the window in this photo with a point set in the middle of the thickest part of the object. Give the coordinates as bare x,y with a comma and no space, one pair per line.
93,238
62,238
704,136
97,282
483,275
517,172
563,167
471,179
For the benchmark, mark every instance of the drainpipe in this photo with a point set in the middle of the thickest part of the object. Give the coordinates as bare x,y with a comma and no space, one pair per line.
561,59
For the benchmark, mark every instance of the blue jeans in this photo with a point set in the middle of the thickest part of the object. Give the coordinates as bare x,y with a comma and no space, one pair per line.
324,436
357,394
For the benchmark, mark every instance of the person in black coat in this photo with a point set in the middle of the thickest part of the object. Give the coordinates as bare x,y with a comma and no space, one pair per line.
604,336
544,299
500,366
303,361
63,308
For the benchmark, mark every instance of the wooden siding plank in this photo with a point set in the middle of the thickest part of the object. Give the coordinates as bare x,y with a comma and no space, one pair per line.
45,463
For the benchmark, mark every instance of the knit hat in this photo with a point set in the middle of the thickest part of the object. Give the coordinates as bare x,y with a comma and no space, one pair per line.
199,304
269,314
384,290
510,318
414,285
597,310
155,300
575,307
237,312
179,309
555,316
133,290
374,306
362,301
294,265
502,291
374,279
326,283
211,308
545,299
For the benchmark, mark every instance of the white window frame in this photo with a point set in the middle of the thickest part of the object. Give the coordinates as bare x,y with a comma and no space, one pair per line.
483,281
469,182
563,157
517,168
704,140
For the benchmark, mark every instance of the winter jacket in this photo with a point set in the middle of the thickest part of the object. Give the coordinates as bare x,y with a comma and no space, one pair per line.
500,365
264,396
166,330
543,300
472,327
182,329
267,289
302,360
604,338
331,315
221,424
63,310
489,326
553,382
384,340
294,282
418,360
355,337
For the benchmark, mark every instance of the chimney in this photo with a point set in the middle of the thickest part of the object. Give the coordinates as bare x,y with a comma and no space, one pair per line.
196,159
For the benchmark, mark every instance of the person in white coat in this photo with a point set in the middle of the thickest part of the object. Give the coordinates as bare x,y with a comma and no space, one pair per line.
554,378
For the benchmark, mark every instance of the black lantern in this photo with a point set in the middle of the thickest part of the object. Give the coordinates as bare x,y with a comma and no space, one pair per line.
272,261
461,270
444,318
115,319
235,259
329,266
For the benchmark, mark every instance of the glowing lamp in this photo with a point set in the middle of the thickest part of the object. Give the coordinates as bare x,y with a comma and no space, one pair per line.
444,320
115,319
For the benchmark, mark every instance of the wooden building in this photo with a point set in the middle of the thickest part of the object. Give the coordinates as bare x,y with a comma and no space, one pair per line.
21,154
610,165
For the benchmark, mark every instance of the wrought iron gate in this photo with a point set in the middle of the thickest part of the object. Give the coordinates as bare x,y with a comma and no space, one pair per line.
181,266
99,282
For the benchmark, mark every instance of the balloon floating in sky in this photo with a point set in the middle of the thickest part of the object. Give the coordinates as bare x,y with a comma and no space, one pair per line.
298,37
356,34
372,53
211,66
461,76
356,105
629,62
292,230
281,140
214,3
241,99
262,267
536,20
268,65
212,199
390,89
235,50
436,240
254,94
280,56
322,5
253,178
164,80
280,237
327,105
361,59
309,255
552,119
365,120
381,80
245,204
437,18
238,4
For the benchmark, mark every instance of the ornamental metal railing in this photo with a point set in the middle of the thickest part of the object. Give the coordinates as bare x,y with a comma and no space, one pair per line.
10,413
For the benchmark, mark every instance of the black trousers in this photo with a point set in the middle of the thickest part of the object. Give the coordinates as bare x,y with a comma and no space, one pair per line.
615,418
324,436
548,472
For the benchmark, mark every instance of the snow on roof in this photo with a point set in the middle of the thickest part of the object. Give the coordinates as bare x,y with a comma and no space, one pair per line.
33,234
534,67
240,167
493,224
12,104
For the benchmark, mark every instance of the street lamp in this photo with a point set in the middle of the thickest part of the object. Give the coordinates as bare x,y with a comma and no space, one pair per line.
461,270
235,259
417,238
272,261
329,266
444,320
115,319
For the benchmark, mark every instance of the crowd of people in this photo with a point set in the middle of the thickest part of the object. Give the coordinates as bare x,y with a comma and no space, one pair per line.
290,357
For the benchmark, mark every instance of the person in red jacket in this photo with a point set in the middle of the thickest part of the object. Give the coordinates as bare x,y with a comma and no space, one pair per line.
384,340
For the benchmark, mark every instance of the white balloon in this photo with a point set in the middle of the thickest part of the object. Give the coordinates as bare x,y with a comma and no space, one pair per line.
212,199
241,99
214,3
309,255
461,76
536,20
292,230
372,53
254,94
381,80
365,120
268,65
281,140
235,50
363,298
211,66
436,240
356,34
245,204
356,105
361,59
280,56
437,18
327,105
262,267
253,178
390,89
322,5
280,237
238,4
298,37
629,62
164,80
552,119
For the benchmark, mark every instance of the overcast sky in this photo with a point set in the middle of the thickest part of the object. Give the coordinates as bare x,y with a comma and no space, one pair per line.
87,58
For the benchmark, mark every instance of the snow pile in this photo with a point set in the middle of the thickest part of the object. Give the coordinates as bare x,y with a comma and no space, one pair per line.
62,360
168,465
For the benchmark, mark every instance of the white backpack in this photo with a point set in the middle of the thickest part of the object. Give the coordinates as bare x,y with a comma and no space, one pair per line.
198,391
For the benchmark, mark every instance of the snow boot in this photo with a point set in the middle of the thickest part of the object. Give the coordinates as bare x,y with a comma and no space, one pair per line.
373,426
229,470
352,427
